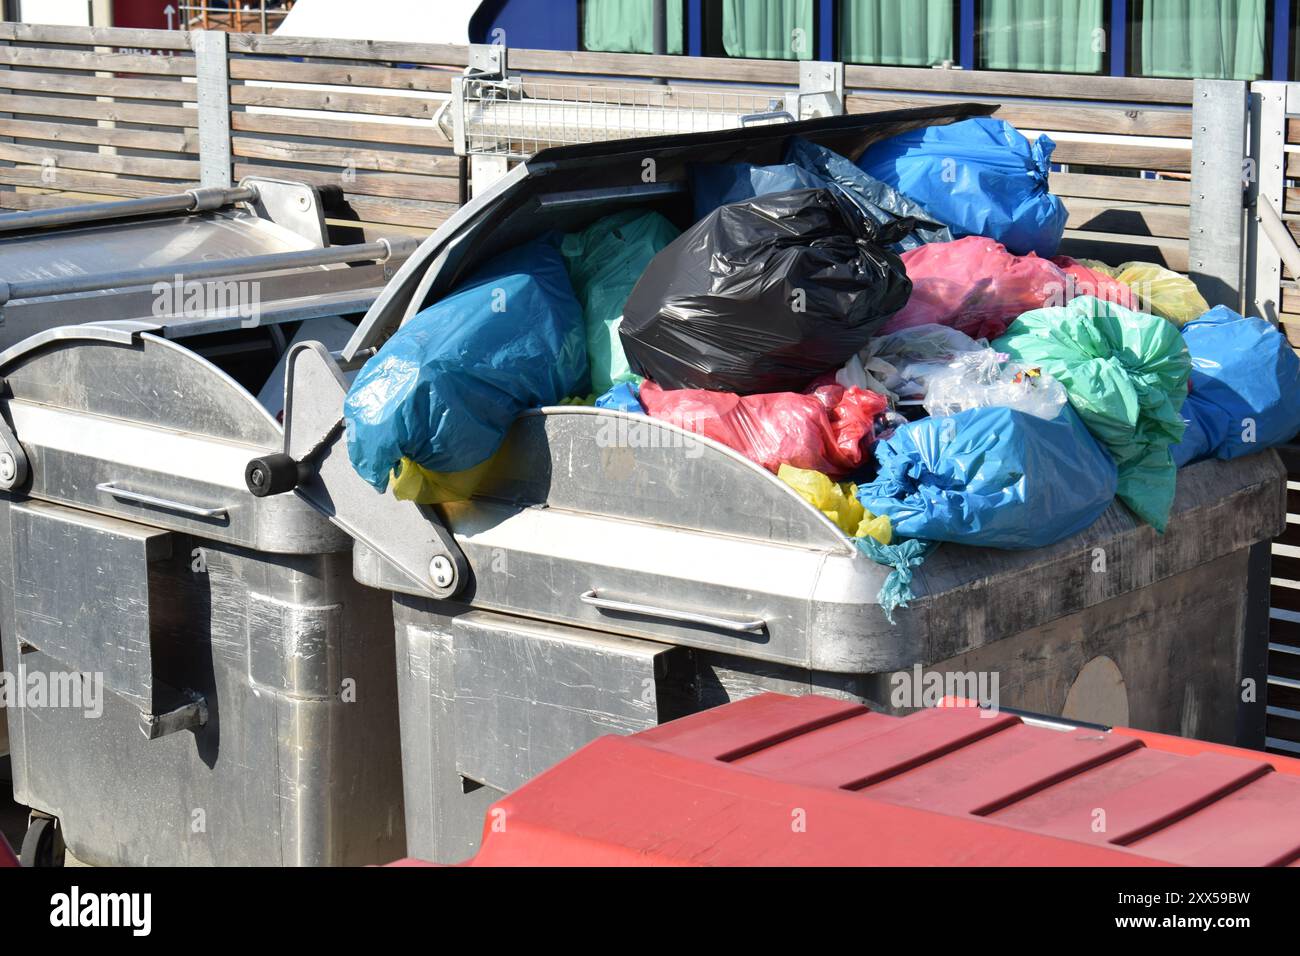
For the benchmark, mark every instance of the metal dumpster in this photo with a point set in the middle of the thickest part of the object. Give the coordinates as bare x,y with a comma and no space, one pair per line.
200,679
613,572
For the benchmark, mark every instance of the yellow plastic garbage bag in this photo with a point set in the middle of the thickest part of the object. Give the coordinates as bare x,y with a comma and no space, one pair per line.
1158,290
413,482
838,502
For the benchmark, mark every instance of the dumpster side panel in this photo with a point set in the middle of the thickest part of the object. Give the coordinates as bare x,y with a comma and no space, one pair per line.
287,769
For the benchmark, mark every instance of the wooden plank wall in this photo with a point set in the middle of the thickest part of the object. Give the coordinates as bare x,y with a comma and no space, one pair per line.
356,118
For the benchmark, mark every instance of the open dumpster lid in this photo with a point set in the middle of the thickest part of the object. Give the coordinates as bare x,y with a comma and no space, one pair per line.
572,185
951,786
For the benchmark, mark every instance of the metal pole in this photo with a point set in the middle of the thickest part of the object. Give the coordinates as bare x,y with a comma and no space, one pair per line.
378,251
125,209
660,32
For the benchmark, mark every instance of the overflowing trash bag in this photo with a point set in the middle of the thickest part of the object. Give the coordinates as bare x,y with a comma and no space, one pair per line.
839,502
763,296
1098,284
830,430
976,286
1245,388
1157,290
445,388
1126,375
901,364
809,166
605,261
985,379
876,200
981,177
992,477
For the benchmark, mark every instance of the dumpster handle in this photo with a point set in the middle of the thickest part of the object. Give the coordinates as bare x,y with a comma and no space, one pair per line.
110,487
671,614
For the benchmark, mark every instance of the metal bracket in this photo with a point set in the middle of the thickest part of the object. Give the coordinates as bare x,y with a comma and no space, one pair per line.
821,90
212,70
188,716
294,206
409,536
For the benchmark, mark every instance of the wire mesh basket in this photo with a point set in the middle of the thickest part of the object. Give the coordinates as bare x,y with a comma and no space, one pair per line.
518,117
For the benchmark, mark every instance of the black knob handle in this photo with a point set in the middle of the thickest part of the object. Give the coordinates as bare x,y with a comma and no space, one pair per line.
271,475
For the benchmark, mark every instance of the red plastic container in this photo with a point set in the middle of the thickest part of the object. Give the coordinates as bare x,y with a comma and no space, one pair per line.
776,780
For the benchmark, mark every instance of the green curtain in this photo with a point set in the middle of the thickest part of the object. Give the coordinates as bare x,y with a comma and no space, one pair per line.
1215,39
627,26
1045,36
896,32
768,29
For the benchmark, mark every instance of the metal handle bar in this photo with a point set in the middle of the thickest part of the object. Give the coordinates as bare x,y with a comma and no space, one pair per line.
166,504
672,614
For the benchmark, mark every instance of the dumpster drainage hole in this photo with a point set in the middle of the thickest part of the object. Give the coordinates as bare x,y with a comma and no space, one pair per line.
1098,694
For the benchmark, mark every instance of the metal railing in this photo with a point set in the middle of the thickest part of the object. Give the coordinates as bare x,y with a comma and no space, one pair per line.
234,16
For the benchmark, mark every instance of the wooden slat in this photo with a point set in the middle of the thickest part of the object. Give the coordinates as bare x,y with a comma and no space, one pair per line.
96,36
96,183
96,110
427,216
717,69
1290,322
1131,219
176,90
1115,249
101,135
1000,84
364,182
1122,188
341,129
1123,155
158,64
446,54
101,162
1293,164
346,74
11,199
388,161
1113,120
306,99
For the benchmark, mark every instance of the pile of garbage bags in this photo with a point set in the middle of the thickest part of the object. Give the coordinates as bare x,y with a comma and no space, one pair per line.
897,339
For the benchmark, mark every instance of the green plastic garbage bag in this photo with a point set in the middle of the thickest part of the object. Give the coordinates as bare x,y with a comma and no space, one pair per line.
1126,375
605,261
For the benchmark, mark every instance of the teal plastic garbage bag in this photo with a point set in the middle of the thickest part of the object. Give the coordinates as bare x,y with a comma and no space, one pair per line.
1245,387
991,477
446,387
1126,375
605,261
981,177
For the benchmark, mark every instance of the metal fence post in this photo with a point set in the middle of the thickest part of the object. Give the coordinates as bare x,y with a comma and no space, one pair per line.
212,68
1267,174
1217,238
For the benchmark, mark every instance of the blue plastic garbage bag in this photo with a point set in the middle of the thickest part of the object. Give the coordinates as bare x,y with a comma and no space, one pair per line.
623,397
878,200
720,184
1245,387
981,177
444,389
992,477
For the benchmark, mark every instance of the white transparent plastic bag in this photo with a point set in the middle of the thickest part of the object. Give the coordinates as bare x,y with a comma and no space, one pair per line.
987,379
902,362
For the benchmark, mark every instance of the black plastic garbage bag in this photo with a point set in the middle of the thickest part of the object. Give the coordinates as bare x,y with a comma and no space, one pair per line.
764,295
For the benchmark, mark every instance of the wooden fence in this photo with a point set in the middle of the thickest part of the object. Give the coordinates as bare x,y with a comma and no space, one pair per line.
103,113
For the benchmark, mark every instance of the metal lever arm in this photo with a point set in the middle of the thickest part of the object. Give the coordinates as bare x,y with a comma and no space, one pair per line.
315,465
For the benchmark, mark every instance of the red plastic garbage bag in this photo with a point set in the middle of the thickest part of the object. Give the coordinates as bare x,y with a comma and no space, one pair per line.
975,286
831,429
1097,284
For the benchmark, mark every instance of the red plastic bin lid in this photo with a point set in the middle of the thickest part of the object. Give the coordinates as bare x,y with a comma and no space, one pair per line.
777,780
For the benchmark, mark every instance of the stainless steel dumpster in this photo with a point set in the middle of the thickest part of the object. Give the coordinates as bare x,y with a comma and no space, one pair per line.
612,571
226,689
